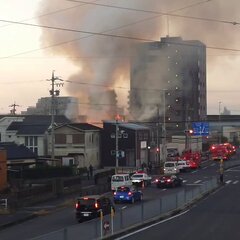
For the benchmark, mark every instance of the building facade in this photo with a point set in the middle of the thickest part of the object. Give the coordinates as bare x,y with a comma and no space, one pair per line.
132,144
67,106
168,80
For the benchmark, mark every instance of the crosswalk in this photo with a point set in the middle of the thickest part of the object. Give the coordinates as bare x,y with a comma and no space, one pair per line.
200,182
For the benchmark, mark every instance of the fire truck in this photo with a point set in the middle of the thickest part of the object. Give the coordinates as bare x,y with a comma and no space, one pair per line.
193,158
220,151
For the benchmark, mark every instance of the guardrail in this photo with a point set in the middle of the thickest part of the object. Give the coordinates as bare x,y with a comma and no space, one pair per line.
132,217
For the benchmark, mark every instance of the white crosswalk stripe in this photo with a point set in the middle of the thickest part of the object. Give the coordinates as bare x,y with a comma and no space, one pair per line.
235,182
228,181
198,181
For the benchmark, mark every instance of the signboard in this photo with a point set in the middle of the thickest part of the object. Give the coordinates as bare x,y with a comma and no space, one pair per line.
200,128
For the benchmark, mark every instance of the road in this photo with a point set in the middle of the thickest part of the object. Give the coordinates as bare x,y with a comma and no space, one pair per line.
66,217
217,217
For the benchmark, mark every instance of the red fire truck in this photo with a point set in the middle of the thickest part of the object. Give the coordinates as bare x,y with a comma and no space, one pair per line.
220,151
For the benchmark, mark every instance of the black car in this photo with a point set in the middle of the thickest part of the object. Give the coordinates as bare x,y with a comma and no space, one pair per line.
168,181
89,207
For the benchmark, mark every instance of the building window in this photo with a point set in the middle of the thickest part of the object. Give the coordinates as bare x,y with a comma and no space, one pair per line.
78,138
60,139
31,142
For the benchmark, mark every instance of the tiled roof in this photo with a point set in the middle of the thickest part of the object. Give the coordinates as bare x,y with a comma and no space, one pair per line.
82,126
36,124
129,125
15,151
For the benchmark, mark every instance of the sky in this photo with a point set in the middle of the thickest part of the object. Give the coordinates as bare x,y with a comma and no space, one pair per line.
27,60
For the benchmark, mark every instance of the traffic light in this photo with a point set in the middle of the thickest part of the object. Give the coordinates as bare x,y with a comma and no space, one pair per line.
189,131
158,150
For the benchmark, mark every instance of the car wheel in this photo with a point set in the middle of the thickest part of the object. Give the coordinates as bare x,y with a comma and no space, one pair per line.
132,200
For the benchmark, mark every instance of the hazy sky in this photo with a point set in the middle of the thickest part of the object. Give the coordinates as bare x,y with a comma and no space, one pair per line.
23,76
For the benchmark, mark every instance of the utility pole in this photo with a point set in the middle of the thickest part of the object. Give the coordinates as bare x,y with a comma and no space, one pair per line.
164,139
53,93
219,122
13,110
158,147
116,149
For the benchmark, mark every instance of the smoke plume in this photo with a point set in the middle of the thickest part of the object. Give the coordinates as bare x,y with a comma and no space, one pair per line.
103,61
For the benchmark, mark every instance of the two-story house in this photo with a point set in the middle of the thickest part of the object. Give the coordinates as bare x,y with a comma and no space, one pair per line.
132,144
76,143
31,132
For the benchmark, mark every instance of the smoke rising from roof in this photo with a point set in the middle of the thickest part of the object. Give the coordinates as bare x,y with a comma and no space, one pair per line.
105,60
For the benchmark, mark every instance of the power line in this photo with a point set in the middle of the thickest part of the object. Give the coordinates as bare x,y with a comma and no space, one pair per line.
162,13
102,33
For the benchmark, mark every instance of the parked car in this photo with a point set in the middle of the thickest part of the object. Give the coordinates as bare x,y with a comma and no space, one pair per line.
127,194
170,167
89,207
168,181
141,179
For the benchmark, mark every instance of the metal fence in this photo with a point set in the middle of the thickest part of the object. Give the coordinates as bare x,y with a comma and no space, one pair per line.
129,217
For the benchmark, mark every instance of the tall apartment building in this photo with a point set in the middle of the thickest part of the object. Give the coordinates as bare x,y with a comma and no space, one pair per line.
169,77
67,106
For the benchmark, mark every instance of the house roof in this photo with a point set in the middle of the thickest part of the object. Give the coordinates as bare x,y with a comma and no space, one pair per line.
82,126
35,124
126,125
15,151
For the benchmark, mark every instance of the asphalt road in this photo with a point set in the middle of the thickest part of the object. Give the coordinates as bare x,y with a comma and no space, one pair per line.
217,217
66,217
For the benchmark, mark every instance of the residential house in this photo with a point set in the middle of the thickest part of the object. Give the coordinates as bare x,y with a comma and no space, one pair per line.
18,156
77,144
132,143
32,132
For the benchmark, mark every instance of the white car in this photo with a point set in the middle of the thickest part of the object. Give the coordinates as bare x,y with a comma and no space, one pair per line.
170,167
140,178
183,165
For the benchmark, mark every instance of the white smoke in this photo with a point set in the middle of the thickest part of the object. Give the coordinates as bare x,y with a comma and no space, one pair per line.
105,60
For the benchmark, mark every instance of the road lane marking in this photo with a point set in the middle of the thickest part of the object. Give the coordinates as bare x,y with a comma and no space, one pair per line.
153,225
184,181
198,181
235,182
204,167
227,182
213,164
195,171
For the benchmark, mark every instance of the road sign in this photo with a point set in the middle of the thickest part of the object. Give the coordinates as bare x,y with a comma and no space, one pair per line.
200,128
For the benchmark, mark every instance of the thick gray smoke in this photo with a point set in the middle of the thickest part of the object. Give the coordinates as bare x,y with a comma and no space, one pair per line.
105,60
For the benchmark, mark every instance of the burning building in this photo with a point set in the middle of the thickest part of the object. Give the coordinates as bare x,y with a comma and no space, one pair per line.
168,77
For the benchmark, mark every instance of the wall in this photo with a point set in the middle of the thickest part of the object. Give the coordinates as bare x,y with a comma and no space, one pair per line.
3,169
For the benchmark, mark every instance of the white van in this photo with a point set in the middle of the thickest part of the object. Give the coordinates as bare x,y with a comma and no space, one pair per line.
170,168
119,180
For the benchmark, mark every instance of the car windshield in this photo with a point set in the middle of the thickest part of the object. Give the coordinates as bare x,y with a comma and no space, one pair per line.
123,189
137,176
169,165
117,179
86,203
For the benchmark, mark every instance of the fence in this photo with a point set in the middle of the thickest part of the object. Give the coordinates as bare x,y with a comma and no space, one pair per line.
133,216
